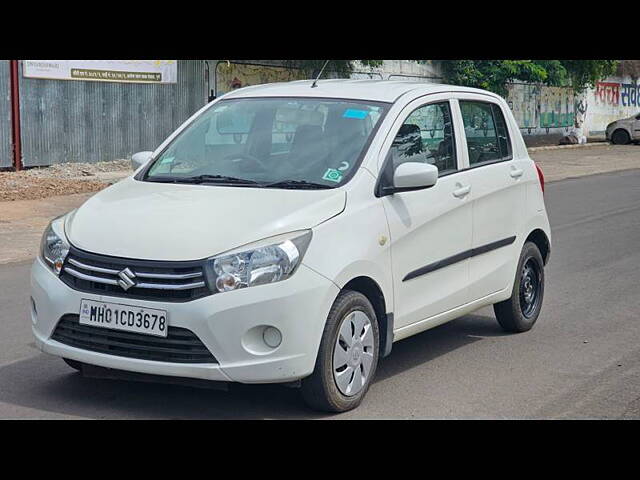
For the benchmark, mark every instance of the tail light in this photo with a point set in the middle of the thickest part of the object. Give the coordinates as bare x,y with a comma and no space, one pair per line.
540,177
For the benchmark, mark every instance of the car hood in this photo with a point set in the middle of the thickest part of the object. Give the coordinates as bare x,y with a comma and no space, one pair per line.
631,119
159,221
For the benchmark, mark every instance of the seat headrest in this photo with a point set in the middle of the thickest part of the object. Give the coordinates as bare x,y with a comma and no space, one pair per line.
408,129
308,141
305,133
408,140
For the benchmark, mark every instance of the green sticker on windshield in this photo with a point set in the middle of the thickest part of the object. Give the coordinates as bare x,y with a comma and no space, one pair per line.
332,175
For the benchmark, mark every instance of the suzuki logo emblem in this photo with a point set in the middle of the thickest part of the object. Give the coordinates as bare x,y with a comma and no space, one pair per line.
127,279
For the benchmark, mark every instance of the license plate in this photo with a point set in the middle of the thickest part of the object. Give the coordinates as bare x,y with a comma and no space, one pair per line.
129,318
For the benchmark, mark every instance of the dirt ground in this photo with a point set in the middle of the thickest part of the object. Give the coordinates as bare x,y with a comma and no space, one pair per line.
60,179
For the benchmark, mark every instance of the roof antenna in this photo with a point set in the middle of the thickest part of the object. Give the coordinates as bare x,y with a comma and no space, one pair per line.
313,85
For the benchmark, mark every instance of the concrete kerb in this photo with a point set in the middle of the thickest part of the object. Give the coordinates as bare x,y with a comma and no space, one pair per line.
561,147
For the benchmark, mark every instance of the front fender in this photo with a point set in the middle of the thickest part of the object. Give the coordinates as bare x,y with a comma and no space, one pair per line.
355,243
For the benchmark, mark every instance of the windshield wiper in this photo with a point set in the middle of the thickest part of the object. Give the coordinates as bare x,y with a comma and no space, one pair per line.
298,184
221,179
204,179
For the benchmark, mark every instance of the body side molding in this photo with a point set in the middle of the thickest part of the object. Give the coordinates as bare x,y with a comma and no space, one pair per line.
458,257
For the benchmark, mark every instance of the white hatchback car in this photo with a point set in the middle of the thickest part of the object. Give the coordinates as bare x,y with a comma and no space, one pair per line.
287,233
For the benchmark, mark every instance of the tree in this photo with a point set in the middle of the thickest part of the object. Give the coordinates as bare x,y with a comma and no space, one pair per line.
494,74
630,68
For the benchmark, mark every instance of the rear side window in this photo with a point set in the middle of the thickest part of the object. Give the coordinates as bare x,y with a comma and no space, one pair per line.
486,131
427,136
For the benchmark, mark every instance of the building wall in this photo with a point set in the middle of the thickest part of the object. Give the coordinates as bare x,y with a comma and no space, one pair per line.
612,99
6,158
429,71
542,110
225,75
81,121
547,111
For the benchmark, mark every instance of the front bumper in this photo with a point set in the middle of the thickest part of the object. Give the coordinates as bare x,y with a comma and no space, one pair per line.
228,324
607,134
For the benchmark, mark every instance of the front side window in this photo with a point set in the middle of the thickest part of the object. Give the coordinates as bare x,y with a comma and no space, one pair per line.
486,132
271,142
427,136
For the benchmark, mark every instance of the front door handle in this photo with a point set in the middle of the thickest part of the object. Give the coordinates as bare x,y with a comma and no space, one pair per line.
516,172
461,191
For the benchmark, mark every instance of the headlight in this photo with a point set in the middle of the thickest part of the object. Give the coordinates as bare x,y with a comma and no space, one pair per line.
54,246
269,261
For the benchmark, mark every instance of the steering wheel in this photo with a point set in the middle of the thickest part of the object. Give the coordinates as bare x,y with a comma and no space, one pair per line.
246,156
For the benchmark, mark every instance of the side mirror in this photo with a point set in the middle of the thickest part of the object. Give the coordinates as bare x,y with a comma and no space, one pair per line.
410,176
139,159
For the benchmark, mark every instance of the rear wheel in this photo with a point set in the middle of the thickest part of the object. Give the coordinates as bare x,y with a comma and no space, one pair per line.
347,358
76,365
520,312
620,137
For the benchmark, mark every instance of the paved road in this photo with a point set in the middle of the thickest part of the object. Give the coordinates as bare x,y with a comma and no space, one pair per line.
582,360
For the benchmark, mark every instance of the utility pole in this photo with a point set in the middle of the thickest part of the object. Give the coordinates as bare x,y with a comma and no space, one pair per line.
15,115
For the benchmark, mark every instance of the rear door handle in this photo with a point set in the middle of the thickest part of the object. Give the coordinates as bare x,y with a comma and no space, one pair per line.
516,172
461,191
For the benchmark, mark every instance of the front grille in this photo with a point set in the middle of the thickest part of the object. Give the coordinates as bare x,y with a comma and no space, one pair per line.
150,280
180,345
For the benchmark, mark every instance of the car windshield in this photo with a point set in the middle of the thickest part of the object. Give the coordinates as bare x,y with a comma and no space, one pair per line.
271,142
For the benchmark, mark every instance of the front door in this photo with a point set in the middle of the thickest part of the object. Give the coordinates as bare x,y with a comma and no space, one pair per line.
431,228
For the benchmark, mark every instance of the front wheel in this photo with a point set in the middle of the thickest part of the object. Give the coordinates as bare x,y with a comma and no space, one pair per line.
519,312
620,137
347,358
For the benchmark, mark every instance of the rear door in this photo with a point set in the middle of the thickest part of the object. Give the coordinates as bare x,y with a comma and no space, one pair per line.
636,128
499,194
429,228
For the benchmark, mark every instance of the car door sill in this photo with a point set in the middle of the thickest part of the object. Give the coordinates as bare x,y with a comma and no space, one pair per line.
440,318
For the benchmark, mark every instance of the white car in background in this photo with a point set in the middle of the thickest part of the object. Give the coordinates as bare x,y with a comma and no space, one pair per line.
624,131
288,233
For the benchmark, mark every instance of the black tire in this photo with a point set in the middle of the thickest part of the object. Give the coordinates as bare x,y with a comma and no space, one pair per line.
520,312
76,365
320,390
620,137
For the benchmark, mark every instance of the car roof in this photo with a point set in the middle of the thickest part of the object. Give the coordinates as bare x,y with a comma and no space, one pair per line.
372,90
